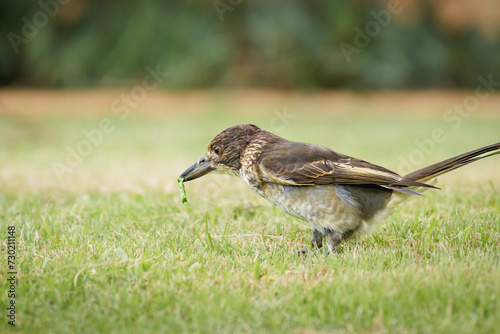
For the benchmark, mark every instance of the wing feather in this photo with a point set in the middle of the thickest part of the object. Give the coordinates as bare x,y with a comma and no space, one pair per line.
307,164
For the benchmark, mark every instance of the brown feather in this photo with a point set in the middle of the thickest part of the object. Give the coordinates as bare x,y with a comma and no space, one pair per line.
298,164
450,164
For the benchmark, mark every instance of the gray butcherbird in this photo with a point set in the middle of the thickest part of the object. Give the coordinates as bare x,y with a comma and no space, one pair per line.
340,196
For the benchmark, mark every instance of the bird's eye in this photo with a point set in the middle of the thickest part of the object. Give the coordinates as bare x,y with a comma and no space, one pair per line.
217,150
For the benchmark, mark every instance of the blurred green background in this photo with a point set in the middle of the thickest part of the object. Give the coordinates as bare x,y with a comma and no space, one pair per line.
233,43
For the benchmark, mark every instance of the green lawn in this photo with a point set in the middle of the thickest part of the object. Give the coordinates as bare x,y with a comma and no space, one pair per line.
108,246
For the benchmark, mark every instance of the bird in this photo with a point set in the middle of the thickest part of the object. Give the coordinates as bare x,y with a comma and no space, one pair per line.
341,197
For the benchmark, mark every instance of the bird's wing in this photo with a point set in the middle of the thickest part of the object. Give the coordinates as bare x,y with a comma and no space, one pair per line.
307,164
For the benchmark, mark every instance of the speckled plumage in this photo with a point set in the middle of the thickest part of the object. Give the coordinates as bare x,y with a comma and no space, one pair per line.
340,196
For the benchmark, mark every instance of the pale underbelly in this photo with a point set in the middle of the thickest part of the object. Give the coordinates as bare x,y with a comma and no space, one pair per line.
328,207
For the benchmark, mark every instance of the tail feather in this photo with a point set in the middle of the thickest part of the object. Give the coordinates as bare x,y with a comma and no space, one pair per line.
429,172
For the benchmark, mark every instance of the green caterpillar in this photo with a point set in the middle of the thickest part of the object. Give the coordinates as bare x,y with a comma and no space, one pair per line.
184,198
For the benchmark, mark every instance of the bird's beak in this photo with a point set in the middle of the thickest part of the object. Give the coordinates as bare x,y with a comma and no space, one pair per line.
198,169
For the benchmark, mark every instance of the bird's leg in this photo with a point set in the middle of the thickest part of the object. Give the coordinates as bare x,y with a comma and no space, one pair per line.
316,241
334,240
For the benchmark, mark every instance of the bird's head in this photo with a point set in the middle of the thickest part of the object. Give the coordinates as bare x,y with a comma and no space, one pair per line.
223,153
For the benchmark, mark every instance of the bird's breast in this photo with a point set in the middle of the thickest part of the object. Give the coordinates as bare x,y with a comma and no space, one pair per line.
249,170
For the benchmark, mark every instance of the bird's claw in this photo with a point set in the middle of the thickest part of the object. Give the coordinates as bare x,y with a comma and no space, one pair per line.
302,251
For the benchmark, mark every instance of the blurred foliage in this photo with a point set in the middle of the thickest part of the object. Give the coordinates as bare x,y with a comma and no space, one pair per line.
231,43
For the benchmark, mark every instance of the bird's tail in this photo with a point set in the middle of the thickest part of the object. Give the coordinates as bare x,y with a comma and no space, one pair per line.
430,172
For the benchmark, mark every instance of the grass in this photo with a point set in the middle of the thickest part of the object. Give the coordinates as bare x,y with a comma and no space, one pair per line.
109,247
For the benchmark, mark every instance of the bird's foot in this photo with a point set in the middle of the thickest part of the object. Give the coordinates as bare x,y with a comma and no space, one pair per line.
316,243
302,251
